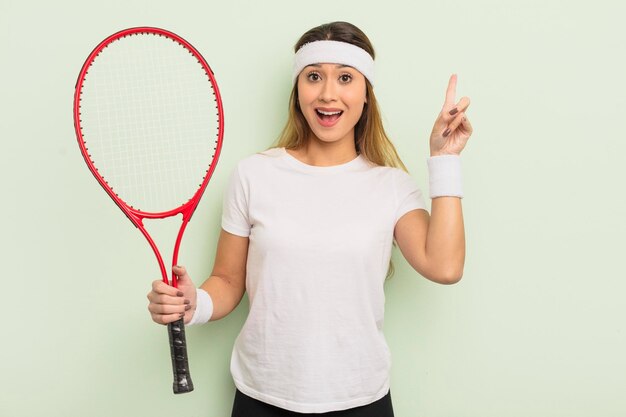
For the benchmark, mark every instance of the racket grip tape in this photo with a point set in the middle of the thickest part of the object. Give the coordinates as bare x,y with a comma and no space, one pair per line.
178,352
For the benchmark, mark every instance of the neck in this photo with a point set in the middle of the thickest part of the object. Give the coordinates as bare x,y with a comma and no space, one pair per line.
319,153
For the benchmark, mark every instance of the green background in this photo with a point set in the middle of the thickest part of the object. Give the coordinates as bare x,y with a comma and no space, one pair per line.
535,327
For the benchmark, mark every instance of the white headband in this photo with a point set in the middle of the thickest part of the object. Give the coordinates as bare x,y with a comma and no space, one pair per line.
334,52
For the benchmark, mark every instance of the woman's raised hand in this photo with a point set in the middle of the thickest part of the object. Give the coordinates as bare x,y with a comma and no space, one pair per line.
168,304
452,128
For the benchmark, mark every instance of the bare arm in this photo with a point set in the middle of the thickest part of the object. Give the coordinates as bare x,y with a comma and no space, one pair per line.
434,245
225,286
227,283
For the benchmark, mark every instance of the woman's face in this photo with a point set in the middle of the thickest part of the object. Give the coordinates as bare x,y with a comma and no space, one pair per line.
331,97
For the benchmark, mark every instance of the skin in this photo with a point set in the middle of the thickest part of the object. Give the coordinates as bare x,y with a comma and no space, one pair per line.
434,245
336,87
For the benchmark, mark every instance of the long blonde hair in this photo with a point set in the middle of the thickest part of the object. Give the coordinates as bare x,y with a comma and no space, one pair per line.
370,138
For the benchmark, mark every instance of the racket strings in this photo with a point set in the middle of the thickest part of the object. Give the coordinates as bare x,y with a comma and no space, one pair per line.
149,119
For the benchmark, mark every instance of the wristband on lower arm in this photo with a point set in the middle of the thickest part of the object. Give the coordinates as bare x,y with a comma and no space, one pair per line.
444,173
204,308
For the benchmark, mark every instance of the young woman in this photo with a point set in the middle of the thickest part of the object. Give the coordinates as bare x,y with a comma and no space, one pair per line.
307,230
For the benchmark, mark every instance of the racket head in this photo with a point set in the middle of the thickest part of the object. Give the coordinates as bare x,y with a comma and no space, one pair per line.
149,122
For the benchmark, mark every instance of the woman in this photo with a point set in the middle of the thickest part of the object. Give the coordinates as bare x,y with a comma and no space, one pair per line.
307,229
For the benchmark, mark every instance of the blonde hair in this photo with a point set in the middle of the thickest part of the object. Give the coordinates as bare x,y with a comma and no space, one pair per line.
370,138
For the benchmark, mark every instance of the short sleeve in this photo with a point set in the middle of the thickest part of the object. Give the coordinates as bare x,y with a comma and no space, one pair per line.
408,194
235,217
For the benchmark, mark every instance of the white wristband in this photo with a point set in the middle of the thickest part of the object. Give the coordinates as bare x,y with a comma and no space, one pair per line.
204,308
444,173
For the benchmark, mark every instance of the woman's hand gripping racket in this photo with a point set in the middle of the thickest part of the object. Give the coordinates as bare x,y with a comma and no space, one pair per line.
149,122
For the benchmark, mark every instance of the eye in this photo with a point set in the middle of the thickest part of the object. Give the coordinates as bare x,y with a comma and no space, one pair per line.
313,76
345,78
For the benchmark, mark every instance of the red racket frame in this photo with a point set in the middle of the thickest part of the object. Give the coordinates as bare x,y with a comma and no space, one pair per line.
134,215
176,330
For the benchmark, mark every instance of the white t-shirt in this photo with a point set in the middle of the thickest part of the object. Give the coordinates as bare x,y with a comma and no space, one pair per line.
320,245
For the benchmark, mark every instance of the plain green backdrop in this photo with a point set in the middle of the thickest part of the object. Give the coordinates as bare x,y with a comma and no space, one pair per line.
535,327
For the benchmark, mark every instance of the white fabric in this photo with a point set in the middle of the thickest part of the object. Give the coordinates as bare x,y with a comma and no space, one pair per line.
319,250
333,52
444,173
204,308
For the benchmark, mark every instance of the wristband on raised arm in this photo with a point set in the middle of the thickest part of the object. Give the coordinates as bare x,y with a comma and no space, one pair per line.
444,176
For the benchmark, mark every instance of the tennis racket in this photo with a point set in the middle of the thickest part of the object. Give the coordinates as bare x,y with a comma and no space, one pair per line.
149,123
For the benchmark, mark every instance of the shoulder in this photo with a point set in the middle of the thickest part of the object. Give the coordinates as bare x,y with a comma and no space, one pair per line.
258,162
396,180
263,157
389,173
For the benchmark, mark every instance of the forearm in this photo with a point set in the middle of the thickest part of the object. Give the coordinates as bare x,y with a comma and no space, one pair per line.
224,295
445,240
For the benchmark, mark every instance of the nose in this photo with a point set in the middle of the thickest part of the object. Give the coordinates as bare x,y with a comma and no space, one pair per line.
327,91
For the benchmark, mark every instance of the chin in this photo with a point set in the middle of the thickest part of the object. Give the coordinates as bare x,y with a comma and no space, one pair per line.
327,138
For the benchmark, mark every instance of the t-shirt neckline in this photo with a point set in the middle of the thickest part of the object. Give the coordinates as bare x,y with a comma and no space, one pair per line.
346,166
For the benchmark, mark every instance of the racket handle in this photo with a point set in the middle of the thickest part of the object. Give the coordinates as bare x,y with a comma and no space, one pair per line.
178,352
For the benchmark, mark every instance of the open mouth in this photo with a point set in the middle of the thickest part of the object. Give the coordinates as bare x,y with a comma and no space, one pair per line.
328,118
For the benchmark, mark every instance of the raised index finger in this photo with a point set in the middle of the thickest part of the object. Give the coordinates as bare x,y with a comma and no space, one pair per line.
451,91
